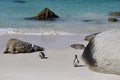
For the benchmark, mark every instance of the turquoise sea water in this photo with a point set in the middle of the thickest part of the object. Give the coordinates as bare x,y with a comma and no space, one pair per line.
73,14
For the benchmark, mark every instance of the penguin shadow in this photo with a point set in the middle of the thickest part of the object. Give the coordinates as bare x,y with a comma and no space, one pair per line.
80,66
43,57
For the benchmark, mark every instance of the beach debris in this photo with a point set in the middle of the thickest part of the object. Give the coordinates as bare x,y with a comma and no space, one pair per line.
19,1
76,61
15,46
42,55
78,46
102,53
115,14
112,20
45,14
91,36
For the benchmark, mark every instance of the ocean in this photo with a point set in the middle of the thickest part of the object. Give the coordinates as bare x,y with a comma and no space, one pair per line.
76,17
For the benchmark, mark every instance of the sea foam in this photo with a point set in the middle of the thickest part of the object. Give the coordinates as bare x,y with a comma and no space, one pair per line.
28,32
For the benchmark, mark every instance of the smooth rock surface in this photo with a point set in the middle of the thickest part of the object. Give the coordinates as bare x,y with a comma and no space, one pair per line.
102,54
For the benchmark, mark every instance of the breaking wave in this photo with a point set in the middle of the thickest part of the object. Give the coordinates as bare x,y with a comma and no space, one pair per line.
32,32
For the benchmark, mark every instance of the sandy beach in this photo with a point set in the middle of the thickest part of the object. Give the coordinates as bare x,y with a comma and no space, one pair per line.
54,25
58,66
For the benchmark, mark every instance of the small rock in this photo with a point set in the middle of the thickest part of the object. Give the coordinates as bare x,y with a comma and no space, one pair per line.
19,1
78,46
90,37
90,20
115,14
38,48
112,20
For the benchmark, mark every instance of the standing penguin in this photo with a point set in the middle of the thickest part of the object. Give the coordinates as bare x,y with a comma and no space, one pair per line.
76,61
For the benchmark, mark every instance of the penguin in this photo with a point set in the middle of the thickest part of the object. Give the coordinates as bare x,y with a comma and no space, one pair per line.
76,61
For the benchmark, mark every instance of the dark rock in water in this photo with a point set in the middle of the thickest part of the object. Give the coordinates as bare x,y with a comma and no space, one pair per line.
115,14
15,46
102,53
19,1
112,20
45,14
90,37
87,20
78,46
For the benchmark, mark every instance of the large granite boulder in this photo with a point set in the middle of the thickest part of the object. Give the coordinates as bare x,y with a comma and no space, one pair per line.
45,14
102,53
115,14
91,36
15,46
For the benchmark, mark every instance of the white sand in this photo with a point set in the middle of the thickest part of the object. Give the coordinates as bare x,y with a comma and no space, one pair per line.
58,66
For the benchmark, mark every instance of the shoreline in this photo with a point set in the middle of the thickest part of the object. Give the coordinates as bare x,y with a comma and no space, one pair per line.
58,66
51,41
